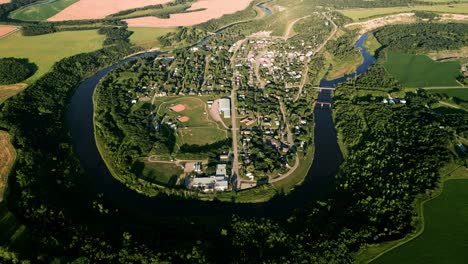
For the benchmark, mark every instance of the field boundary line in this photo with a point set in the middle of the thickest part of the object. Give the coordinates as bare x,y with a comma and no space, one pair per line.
10,33
420,210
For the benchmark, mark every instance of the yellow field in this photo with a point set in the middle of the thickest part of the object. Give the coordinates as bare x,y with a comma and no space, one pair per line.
45,50
6,91
7,158
148,37
361,13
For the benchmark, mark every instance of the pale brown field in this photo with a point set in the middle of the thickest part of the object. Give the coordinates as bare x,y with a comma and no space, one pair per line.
7,91
5,30
92,9
7,158
4,1
212,9
178,108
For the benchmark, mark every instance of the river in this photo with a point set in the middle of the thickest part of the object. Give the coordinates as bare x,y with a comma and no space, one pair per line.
327,159
368,60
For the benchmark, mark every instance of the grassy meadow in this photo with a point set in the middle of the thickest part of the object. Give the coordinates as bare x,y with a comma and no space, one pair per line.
445,233
148,37
363,13
45,50
460,93
421,71
41,12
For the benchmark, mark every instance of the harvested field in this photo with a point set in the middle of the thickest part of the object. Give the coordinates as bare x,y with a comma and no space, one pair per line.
92,9
7,91
178,108
7,158
372,24
211,9
5,30
4,1
183,119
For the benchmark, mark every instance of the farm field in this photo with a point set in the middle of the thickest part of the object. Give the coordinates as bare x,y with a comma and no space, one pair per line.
41,12
160,173
7,158
45,50
361,13
210,9
421,71
91,9
5,30
6,91
460,93
148,37
4,1
445,233
195,126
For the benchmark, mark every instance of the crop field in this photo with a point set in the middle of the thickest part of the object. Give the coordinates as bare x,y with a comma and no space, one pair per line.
195,126
45,50
460,93
148,37
41,12
7,158
7,91
445,233
361,13
161,173
421,71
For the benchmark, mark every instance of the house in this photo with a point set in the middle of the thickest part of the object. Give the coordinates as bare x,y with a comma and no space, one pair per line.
224,157
225,107
221,170
461,147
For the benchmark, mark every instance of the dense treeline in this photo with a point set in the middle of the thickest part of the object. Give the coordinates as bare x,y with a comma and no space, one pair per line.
5,9
376,78
424,36
14,70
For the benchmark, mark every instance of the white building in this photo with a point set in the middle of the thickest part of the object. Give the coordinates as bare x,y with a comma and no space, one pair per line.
221,170
209,184
225,107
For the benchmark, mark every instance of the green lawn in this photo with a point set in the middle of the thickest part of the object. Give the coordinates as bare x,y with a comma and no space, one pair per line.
148,37
363,13
41,12
444,239
161,173
421,71
45,50
460,93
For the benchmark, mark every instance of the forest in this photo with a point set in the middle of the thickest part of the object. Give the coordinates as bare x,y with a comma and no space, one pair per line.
423,37
15,70
395,153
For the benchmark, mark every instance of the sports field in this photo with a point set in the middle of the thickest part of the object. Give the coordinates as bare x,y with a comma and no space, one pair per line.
195,126
45,50
161,173
444,239
421,71
363,13
41,12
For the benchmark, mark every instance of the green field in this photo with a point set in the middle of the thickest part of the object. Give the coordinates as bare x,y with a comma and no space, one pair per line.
200,128
148,37
444,239
421,71
161,173
363,13
460,93
45,50
41,12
